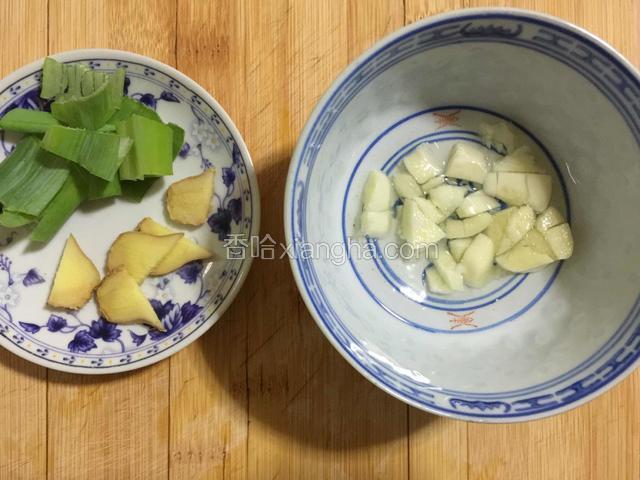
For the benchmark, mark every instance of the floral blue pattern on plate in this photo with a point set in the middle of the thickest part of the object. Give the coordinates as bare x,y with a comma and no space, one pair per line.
187,301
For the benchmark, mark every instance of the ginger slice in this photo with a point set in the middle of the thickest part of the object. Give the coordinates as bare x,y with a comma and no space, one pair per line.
140,253
185,250
189,200
121,301
75,280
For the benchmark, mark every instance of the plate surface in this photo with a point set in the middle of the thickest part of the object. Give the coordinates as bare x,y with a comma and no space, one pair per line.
188,301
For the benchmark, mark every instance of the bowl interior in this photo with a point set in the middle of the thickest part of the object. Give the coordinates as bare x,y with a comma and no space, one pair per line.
526,345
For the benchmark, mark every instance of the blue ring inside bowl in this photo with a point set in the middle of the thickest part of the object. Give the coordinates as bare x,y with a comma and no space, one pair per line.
551,40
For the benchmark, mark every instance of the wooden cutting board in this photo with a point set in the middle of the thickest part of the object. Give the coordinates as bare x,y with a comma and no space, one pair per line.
263,395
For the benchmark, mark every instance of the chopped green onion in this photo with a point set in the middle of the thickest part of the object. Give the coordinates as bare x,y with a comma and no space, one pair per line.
129,107
135,191
15,220
92,80
68,199
178,139
54,78
75,74
100,78
99,153
107,128
152,150
97,188
92,111
92,132
69,81
131,168
27,121
30,178
88,84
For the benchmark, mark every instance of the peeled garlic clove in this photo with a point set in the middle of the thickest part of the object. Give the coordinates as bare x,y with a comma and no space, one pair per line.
375,224
538,191
468,162
420,164
512,188
548,219
457,246
431,184
377,195
447,268
406,186
495,230
416,228
476,203
535,240
454,228
521,160
477,261
518,224
436,283
490,186
499,135
560,240
467,227
447,197
430,210
522,259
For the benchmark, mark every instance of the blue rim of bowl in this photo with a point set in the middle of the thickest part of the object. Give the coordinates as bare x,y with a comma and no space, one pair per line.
192,86
421,394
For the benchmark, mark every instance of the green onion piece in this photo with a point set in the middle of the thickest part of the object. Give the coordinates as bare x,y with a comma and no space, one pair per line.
75,74
15,220
152,149
27,121
129,107
54,78
30,178
97,188
88,84
100,78
178,139
92,111
107,128
99,153
91,81
131,168
68,199
135,191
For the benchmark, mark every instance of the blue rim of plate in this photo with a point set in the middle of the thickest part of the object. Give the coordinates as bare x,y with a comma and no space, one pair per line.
218,301
584,53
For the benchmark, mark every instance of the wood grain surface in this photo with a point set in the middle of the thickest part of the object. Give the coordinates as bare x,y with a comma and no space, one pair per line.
263,395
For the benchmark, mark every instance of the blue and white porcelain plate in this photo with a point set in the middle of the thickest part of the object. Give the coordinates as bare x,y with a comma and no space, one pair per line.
189,301
525,346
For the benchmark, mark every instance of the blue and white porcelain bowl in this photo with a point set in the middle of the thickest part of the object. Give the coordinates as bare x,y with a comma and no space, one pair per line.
526,346
188,301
